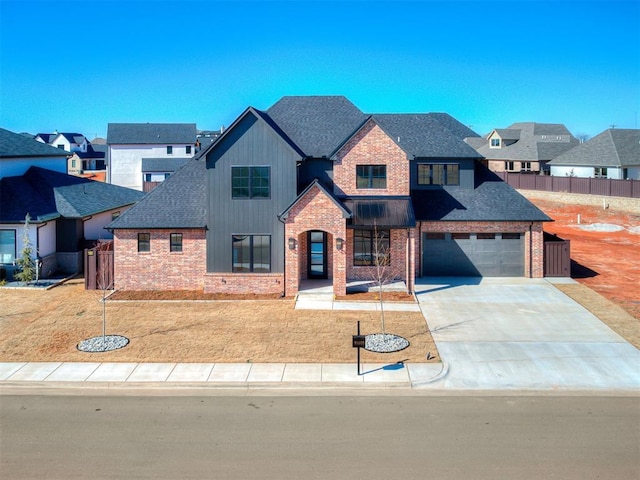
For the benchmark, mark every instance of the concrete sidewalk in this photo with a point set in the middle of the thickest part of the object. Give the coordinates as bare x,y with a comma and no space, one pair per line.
222,374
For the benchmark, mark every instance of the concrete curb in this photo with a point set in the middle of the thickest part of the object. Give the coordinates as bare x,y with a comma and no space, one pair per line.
444,371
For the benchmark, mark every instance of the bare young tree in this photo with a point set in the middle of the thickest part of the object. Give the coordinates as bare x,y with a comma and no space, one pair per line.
382,272
104,279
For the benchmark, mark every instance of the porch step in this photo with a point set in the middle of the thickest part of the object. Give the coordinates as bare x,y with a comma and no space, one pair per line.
314,301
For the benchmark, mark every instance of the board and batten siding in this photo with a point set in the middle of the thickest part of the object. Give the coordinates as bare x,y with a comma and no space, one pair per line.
250,143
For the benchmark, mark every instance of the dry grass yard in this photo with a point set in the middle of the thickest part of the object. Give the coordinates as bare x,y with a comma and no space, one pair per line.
47,326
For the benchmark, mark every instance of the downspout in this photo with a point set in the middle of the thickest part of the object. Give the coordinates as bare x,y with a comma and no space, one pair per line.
39,262
410,277
531,250
284,257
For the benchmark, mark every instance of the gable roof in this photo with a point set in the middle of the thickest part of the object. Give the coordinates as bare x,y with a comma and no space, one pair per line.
162,164
532,142
317,124
345,212
70,137
178,202
151,133
424,135
258,115
46,194
17,145
611,148
93,151
491,200
508,133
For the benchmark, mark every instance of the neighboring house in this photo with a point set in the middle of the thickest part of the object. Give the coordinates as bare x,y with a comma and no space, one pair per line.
523,147
140,155
614,153
70,142
306,189
75,143
18,152
89,164
204,138
66,211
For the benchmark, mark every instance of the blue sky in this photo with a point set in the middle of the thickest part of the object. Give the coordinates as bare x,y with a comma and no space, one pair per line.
78,65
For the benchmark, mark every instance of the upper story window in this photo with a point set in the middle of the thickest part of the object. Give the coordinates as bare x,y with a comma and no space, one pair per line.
169,150
187,149
144,242
371,176
438,174
250,182
175,242
495,142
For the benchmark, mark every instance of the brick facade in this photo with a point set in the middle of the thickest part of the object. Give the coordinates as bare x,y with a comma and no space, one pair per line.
315,211
159,269
371,146
401,261
533,243
242,283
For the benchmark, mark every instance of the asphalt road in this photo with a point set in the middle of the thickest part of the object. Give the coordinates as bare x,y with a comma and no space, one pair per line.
268,436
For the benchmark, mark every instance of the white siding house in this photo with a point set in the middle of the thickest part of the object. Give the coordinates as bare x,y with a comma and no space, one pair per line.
147,152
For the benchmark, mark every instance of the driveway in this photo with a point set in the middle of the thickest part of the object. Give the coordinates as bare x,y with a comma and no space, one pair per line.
519,333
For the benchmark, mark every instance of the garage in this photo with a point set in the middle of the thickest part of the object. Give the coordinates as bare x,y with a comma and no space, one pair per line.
472,254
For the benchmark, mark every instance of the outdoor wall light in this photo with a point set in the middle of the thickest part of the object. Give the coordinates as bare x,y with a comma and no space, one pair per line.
339,243
292,243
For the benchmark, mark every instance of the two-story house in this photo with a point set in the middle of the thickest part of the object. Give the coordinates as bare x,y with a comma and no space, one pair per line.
141,155
313,188
523,146
75,143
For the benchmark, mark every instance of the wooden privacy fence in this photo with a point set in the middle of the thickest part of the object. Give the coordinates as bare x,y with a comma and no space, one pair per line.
557,256
98,267
606,187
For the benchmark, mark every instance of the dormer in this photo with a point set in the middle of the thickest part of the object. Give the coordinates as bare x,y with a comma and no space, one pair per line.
503,137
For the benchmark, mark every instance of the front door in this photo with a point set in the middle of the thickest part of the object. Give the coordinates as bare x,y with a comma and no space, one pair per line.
317,255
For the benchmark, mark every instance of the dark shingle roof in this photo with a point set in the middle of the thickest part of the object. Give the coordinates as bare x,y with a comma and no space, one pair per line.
491,200
423,135
71,137
509,133
611,148
458,129
535,141
17,145
317,124
150,133
178,202
93,151
46,194
162,164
